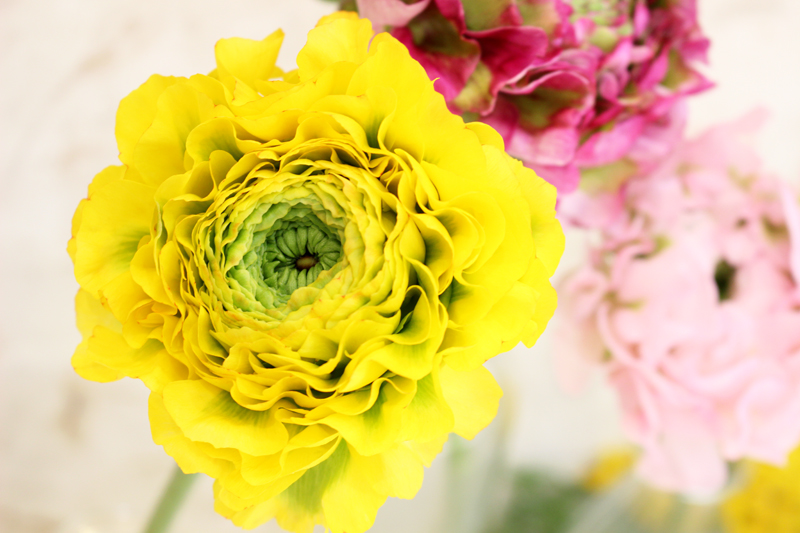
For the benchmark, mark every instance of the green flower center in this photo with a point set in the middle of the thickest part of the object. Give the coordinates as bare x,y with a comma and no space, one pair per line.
294,256
284,247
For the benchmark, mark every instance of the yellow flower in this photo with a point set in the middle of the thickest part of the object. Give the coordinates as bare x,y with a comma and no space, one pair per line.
308,270
608,468
769,502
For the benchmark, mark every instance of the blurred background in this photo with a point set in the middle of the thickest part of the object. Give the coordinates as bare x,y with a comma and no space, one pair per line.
76,456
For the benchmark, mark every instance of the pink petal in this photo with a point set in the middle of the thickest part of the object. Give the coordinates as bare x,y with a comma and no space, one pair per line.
564,178
390,13
686,458
606,147
791,213
582,210
550,147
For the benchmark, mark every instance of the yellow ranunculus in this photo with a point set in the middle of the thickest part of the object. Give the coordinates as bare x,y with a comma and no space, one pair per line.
308,270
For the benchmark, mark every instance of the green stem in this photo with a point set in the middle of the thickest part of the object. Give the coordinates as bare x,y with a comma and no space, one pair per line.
170,502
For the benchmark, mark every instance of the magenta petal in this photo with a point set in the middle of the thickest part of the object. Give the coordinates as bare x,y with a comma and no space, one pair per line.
655,74
581,65
558,80
641,18
453,11
640,54
393,13
509,51
607,86
620,58
509,17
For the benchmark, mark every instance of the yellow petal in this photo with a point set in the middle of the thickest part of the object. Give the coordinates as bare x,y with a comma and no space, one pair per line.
207,414
247,61
191,456
114,220
136,113
473,396
375,429
341,39
160,152
428,416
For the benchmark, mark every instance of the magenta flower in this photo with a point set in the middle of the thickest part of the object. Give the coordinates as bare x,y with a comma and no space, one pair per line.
576,88
691,306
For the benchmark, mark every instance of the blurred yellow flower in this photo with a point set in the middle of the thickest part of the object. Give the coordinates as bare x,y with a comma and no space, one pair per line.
308,270
769,501
611,466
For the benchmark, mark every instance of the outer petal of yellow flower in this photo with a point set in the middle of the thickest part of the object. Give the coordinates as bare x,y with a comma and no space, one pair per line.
108,174
412,351
217,134
337,15
136,113
547,232
305,450
487,135
428,416
352,503
144,273
500,329
343,492
341,39
206,414
473,396
90,313
160,152
246,60
545,304
387,65
375,429
122,295
191,456
116,217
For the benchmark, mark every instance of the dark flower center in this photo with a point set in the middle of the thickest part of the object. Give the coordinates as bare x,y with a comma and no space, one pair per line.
304,262
724,277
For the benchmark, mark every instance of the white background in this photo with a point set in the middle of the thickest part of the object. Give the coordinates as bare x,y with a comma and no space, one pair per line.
76,456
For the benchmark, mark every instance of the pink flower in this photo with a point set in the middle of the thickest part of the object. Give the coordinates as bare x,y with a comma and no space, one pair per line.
691,306
577,88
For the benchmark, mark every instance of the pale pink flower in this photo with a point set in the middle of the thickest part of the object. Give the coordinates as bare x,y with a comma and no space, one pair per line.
690,305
